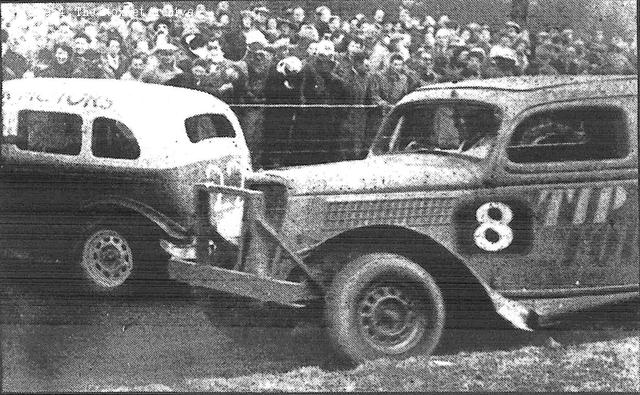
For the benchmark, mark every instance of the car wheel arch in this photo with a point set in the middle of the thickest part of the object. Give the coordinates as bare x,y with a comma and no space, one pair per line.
447,269
132,208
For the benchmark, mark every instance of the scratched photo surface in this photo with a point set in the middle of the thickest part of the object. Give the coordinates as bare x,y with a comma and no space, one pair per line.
305,195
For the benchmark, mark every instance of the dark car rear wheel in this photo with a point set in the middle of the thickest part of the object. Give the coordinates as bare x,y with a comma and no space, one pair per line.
384,305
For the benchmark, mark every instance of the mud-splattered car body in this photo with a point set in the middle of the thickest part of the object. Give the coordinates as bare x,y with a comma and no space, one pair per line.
74,149
544,224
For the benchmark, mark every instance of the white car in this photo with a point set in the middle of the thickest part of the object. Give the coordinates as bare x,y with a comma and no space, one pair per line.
102,169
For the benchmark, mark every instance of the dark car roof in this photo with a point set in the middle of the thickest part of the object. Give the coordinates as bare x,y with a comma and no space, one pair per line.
517,93
530,83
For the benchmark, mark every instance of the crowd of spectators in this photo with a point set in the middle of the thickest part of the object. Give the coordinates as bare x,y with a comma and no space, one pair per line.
263,56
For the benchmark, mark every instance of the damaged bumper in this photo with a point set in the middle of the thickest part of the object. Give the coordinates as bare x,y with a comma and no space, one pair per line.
531,314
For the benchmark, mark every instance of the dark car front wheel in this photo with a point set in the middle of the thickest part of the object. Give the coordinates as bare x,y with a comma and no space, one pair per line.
384,305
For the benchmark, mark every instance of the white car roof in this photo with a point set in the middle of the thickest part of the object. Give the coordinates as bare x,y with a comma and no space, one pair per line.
126,101
155,113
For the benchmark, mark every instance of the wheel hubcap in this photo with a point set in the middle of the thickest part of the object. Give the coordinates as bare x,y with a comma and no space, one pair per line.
107,258
390,319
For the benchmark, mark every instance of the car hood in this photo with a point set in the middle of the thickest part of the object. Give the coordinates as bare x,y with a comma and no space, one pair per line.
381,174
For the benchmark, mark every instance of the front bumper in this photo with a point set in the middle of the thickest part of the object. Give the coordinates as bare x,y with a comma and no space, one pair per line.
262,288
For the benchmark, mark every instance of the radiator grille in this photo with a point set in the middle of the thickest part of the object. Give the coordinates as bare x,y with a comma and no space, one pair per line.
415,212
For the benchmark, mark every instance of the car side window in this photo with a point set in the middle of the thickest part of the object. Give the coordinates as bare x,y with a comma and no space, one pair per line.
49,132
113,139
206,126
572,134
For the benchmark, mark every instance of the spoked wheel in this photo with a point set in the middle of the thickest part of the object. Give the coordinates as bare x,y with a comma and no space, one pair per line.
384,305
391,317
107,258
120,259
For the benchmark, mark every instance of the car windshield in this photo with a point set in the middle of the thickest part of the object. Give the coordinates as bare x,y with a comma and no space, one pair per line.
455,127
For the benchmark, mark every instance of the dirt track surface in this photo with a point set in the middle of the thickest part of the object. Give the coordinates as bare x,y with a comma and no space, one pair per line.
54,341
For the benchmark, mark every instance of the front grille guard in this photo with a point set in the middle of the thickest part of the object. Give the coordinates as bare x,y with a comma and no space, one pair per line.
256,236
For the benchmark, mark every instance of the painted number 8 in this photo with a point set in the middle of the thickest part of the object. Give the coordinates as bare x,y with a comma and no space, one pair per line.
494,233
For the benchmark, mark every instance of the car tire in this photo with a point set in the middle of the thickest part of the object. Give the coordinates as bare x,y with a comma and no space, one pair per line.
384,305
113,259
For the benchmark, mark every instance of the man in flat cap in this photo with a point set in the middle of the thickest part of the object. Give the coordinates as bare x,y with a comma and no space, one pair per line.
164,66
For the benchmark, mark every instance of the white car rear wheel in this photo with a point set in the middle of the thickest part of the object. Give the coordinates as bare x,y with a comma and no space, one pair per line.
107,258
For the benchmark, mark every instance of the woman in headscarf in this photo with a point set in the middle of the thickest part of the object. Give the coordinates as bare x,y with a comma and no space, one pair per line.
61,63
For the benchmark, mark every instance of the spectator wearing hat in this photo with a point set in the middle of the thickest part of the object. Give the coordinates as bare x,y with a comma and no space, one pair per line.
272,33
353,45
137,40
167,12
222,13
353,136
249,30
522,55
457,63
114,63
582,54
162,32
104,16
352,68
318,128
379,19
64,33
484,39
127,12
323,16
258,61
152,15
400,43
379,53
87,60
566,37
422,62
542,63
502,60
335,24
474,65
287,28
14,65
513,30
195,46
282,86
503,48
163,68
228,77
261,15
193,78
390,85
306,36
441,44
298,17
616,61
597,42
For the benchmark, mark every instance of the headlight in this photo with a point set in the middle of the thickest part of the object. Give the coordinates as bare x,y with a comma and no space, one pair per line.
226,213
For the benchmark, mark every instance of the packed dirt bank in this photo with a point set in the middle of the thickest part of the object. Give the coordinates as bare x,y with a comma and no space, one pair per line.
601,366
